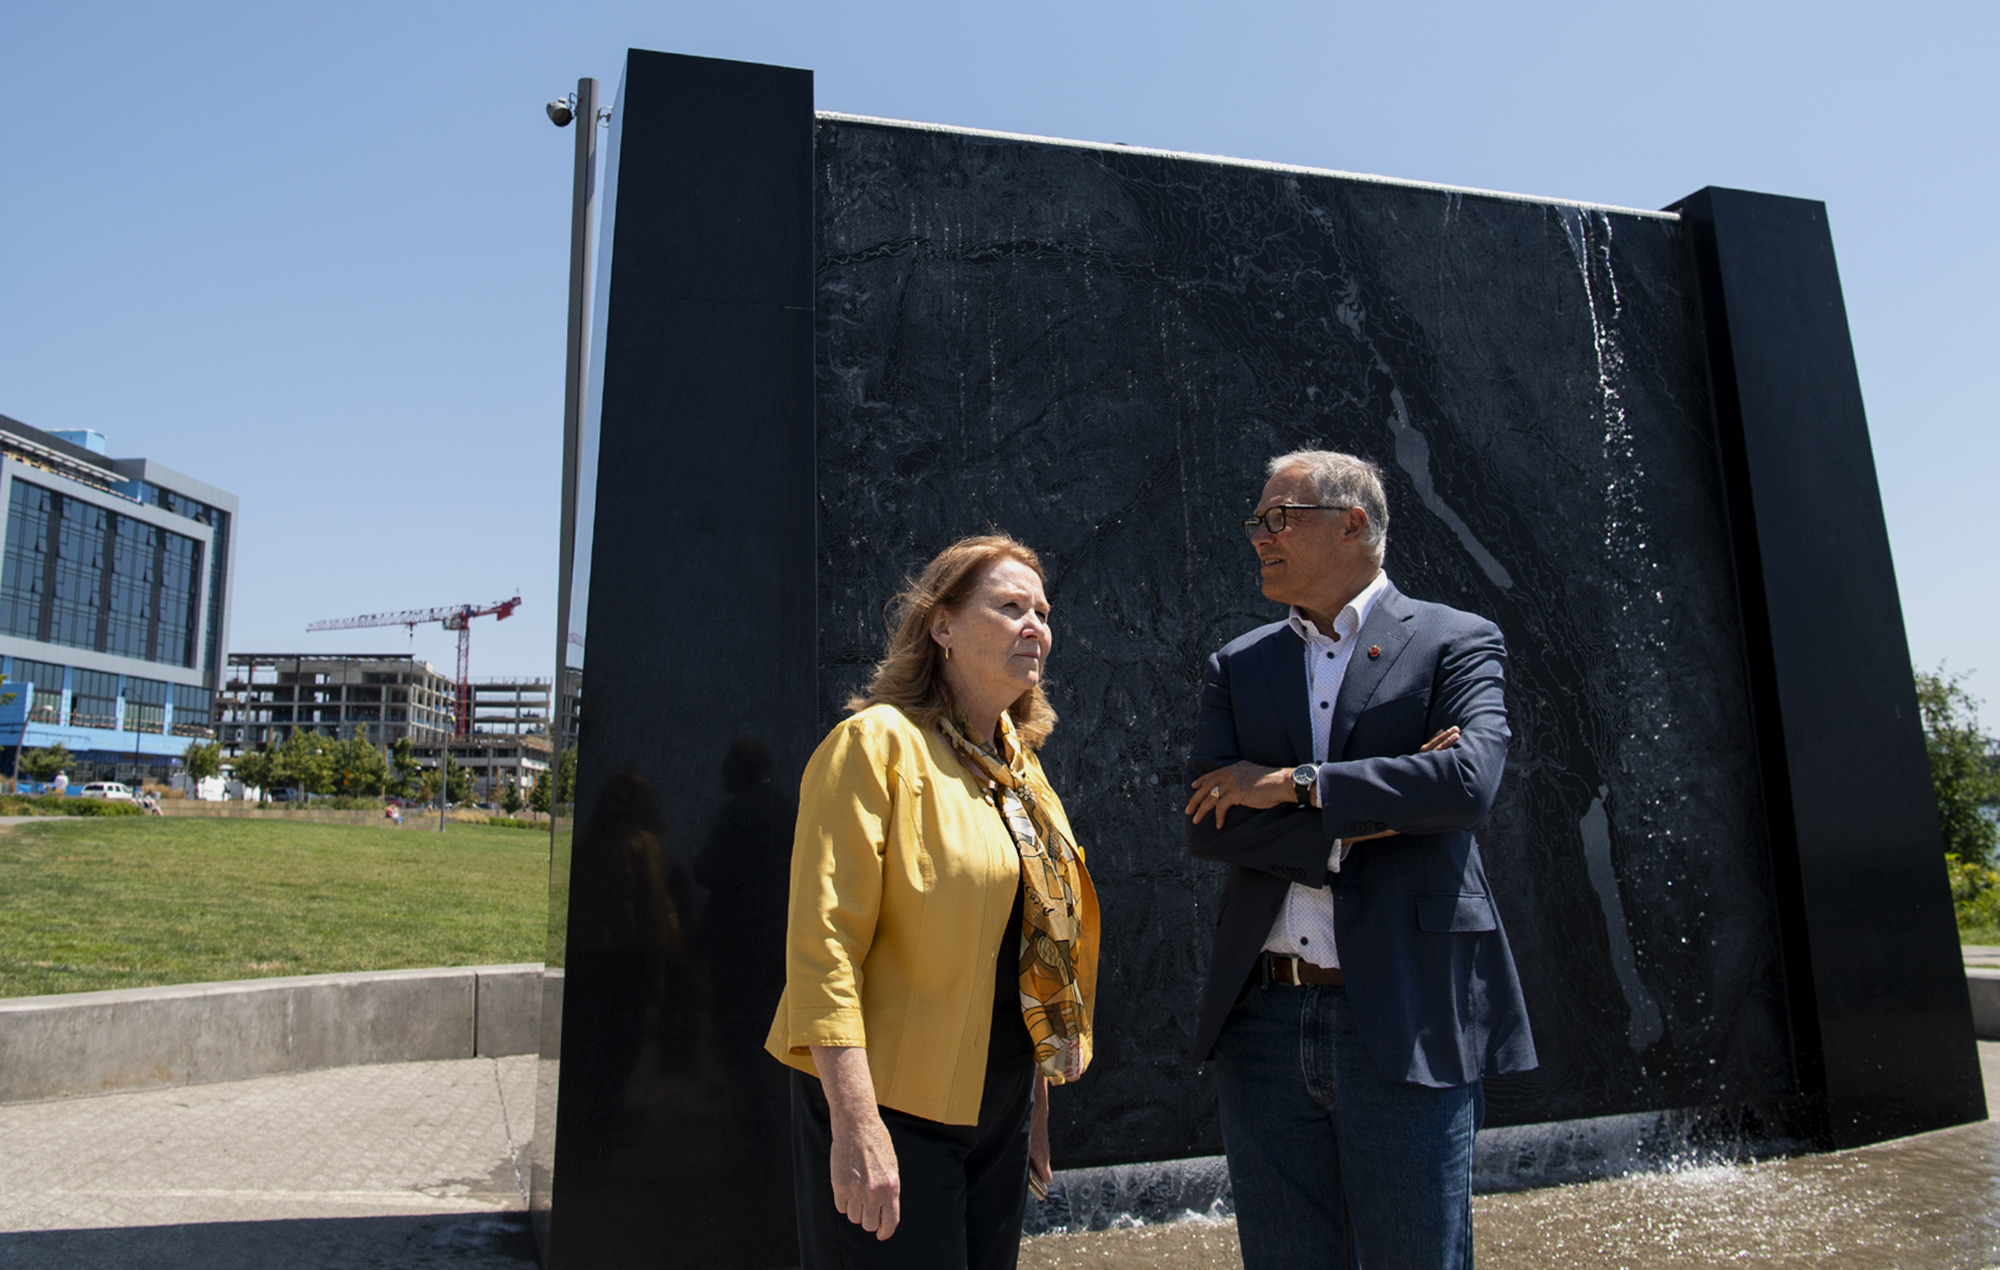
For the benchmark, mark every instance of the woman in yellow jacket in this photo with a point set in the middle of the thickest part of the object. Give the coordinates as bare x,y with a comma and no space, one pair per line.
942,937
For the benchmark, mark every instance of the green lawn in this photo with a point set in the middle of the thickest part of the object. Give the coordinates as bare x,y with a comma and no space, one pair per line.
133,902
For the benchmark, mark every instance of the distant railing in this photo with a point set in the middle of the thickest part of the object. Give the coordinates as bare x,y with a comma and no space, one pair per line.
199,730
44,714
85,719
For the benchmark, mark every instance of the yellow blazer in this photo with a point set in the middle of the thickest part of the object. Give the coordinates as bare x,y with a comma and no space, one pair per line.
902,877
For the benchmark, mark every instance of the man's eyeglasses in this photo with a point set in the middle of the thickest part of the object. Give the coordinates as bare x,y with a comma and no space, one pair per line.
1276,518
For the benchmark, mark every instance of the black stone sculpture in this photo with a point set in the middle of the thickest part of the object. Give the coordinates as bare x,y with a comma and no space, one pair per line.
828,346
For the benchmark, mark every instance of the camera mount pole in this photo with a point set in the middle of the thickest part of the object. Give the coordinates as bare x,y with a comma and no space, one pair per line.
576,395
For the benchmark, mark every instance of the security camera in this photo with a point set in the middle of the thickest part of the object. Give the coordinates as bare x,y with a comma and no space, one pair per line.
560,112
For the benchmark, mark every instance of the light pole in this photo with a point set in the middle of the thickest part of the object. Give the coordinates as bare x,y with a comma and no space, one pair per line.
582,107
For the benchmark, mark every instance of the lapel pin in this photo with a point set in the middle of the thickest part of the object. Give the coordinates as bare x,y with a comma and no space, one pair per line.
1374,651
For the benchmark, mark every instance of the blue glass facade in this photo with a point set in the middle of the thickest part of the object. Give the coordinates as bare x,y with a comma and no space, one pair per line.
111,584
24,576
218,566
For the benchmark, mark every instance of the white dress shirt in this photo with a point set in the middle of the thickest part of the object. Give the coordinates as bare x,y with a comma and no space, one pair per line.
1304,926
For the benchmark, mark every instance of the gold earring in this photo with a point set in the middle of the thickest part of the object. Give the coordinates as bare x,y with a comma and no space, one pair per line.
947,652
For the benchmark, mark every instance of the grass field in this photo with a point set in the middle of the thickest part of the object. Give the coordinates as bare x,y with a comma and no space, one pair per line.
135,902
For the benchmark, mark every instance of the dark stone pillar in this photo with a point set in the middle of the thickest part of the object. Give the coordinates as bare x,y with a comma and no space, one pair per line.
1880,1016
700,707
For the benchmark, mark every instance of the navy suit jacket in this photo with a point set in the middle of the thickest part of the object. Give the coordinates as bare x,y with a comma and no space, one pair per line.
1427,967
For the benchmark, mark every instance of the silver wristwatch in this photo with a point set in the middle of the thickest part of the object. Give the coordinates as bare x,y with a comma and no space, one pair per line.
1304,777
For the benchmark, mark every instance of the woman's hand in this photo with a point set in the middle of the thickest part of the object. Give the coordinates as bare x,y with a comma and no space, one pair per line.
866,1185
1038,1135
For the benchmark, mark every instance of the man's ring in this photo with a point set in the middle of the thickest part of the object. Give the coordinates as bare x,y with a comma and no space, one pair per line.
1215,791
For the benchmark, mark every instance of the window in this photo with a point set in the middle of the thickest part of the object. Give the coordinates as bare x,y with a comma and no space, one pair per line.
129,618
194,711
93,699
145,705
79,593
47,678
212,655
26,569
180,592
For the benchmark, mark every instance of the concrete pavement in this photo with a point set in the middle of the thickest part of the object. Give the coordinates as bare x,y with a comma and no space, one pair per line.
412,1166
402,1165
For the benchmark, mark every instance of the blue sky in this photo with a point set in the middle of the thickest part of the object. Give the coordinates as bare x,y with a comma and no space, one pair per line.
317,254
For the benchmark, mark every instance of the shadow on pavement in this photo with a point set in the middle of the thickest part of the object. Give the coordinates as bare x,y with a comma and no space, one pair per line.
463,1241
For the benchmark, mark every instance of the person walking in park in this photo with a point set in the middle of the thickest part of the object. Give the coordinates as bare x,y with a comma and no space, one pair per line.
942,935
1361,983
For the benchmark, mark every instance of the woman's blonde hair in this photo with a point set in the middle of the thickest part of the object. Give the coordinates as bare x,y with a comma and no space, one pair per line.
910,675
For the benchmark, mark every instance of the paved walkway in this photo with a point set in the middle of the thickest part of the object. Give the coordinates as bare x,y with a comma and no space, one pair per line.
417,1165
403,1165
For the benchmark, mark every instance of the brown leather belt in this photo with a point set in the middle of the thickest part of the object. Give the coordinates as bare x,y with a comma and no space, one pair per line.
1296,973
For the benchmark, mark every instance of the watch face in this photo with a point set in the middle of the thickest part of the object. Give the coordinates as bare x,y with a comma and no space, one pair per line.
1303,774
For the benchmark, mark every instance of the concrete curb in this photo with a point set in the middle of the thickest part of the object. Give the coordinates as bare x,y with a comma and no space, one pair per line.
85,1043
1984,986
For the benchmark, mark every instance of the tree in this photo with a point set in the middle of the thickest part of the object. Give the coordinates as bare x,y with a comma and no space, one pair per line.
202,759
305,760
1963,773
257,769
566,776
357,768
538,793
457,781
510,795
43,764
427,785
406,781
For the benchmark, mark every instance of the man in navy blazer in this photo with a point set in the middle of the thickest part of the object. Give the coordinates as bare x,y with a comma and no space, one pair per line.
1361,983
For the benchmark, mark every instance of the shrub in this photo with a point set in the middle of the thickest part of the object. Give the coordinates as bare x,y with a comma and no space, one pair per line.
56,805
1975,893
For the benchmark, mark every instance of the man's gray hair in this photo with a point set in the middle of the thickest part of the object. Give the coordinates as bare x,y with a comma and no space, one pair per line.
1342,480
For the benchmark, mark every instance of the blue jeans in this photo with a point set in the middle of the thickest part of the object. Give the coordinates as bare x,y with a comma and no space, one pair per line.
1333,1164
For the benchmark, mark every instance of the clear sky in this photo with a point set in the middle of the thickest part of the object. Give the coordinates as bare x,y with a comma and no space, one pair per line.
317,254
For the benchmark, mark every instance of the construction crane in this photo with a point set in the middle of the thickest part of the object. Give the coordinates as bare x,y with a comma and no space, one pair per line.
455,617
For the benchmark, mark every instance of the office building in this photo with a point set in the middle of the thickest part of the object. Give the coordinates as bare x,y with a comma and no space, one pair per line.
114,603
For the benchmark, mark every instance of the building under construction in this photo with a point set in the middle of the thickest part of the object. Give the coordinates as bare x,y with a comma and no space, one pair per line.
384,698
510,707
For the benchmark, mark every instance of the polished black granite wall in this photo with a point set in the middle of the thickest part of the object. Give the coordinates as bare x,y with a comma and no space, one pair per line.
1097,350
829,348
699,710
1885,1027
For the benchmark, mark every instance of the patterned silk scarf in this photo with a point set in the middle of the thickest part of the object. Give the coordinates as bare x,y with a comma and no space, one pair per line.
1058,950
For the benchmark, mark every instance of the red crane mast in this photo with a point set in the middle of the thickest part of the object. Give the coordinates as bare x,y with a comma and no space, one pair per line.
454,617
